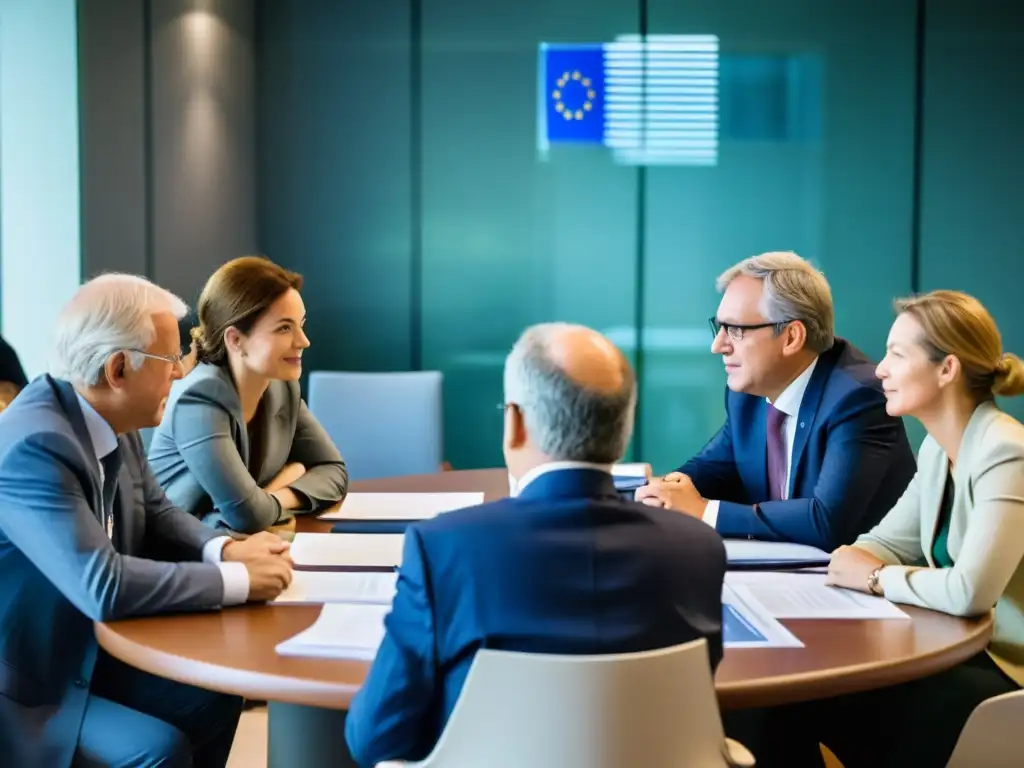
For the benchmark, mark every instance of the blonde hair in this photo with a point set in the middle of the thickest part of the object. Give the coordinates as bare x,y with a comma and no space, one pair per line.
793,290
955,323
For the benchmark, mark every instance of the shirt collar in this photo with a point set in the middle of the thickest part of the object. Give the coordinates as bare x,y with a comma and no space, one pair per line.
514,489
789,401
104,441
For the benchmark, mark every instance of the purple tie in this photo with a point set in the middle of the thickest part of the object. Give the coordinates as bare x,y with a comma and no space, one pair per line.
776,454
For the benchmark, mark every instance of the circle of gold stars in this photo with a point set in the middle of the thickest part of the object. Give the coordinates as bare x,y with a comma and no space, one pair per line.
557,95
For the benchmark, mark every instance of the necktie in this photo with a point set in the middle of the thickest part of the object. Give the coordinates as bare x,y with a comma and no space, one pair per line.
111,468
776,454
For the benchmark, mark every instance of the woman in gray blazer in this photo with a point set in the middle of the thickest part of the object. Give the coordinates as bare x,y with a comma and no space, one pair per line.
237,446
953,543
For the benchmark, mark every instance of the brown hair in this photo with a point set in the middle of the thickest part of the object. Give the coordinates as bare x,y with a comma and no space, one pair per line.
234,297
957,324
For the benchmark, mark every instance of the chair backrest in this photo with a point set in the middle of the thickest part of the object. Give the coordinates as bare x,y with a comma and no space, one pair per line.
384,424
989,738
655,709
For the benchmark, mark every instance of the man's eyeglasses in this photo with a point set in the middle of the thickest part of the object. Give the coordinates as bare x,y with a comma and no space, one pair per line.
735,331
175,359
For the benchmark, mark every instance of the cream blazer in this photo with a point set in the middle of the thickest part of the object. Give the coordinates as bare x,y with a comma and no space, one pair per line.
986,533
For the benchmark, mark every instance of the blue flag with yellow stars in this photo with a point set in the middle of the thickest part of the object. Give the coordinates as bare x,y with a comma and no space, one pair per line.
574,93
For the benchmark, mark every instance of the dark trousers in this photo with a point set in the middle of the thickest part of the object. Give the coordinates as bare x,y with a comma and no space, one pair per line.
916,723
135,720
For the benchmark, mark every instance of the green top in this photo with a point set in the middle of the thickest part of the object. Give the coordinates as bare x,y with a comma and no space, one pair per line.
940,551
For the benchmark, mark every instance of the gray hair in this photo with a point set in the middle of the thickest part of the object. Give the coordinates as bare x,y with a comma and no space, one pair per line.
109,314
793,290
567,420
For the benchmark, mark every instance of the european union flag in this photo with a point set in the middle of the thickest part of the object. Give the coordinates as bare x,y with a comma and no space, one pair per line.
572,92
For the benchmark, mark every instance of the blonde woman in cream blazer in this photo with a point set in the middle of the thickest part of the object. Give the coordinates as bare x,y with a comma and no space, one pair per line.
953,543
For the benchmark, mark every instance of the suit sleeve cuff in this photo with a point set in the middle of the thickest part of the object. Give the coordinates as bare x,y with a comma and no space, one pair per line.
236,583
213,549
711,513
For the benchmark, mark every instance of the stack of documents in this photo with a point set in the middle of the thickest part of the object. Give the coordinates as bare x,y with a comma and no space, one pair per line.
347,550
748,553
400,506
343,631
339,587
629,477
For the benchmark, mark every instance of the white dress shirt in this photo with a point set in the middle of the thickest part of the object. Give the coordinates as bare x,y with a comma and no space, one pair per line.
235,575
514,488
789,403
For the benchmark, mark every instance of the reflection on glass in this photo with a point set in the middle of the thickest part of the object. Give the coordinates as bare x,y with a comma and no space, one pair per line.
649,99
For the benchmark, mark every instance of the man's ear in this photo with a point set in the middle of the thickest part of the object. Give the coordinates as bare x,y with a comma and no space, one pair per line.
515,427
115,368
794,335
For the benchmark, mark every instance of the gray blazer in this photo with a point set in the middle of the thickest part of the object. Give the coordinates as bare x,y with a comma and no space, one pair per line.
200,452
59,572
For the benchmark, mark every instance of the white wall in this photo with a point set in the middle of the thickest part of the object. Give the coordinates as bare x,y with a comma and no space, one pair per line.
39,178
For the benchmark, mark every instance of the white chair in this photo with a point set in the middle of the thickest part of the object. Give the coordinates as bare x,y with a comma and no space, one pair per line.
384,424
655,709
990,738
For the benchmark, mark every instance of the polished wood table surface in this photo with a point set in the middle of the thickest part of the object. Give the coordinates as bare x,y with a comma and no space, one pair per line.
233,650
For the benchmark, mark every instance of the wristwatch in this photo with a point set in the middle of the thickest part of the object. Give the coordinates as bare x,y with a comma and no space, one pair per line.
873,586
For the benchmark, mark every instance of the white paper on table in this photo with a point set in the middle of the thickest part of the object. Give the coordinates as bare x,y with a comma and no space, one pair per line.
750,550
348,549
335,587
746,624
805,596
632,470
400,506
342,631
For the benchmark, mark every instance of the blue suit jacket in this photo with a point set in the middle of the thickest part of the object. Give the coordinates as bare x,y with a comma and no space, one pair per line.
567,567
851,461
60,572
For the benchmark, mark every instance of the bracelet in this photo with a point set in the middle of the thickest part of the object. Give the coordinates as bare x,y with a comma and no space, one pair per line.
873,586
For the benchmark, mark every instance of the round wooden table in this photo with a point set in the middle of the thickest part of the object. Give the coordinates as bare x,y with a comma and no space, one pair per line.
233,650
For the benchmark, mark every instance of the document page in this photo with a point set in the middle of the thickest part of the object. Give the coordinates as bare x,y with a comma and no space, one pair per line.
343,631
805,596
348,549
746,624
400,506
339,587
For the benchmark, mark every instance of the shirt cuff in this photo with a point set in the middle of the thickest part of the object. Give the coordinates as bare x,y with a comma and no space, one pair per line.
236,583
214,548
235,575
711,513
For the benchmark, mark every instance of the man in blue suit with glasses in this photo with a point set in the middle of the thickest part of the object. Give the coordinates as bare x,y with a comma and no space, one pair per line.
566,566
807,453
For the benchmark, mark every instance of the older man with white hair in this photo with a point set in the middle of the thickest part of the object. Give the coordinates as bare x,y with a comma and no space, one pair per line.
86,534
566,566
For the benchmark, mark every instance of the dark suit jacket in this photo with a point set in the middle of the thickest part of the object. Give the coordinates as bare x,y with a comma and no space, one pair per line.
851,461
201,453
59,573
567,567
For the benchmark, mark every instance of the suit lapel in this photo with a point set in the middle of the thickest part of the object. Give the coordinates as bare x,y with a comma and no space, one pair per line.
68,400
273,420
809,412
759,435
932,488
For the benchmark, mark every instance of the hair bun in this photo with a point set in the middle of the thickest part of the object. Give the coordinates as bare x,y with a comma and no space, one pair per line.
1009,376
